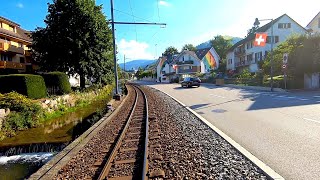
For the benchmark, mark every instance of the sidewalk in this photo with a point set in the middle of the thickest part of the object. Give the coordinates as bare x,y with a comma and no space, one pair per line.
259,88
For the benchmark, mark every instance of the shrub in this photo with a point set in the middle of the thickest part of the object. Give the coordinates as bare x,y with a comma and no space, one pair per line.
57,83
25,113
32,86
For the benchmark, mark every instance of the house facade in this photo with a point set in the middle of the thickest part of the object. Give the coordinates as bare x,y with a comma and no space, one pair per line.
15,55
209,59
314,24
187,63
243,55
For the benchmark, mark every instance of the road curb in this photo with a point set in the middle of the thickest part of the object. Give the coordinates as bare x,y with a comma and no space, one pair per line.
51,168
270,173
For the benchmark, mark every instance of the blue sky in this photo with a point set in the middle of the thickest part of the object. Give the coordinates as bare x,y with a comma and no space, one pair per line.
188,21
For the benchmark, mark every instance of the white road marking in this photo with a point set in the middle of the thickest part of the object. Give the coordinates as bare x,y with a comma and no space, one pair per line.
302,99
217,96
308,119
316,96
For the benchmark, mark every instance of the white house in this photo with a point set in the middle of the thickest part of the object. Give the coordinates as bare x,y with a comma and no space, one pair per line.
165,69
187,63
209,59
243,55
314,24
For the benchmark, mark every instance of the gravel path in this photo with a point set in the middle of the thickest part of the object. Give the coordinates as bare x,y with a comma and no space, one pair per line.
188,149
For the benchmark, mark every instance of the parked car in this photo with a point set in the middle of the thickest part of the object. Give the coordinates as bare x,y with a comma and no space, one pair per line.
190,81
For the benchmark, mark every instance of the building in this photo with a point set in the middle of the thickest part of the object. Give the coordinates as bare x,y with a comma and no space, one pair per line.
209,58
165,71
15,56
314,24
243,55
187,63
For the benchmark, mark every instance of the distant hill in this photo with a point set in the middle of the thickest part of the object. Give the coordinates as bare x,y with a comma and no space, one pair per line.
207,43
135,64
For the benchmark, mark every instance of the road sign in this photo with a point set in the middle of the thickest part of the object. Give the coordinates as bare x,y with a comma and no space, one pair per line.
285,58
260,40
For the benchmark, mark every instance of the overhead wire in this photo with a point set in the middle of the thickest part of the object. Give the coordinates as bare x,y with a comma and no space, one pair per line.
135,26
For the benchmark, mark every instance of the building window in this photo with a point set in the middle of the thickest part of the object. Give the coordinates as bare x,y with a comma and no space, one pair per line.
163,72
284,25
276,39
11,28
249,57
249,45
5,57
258,56
22,60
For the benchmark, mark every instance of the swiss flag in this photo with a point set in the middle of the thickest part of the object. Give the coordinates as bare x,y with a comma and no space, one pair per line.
260,40
174,66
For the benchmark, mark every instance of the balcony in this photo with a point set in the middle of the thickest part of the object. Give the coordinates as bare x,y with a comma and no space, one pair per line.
240,52
242,63
184,62
194,69
12,65
10,48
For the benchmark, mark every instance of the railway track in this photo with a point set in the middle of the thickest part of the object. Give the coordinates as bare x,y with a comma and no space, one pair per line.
128,159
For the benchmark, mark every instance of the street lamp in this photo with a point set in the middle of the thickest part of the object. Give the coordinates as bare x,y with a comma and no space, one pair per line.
256,23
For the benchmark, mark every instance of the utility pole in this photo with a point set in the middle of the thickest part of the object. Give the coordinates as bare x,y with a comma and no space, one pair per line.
117,95
124,64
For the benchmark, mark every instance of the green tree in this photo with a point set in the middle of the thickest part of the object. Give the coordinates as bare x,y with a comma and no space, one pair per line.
189,47
170,51
289,46
76,39
221,45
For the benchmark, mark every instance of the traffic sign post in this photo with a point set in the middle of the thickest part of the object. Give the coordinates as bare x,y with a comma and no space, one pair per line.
284,67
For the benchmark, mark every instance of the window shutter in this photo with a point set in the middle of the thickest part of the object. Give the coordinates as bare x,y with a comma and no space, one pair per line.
289,25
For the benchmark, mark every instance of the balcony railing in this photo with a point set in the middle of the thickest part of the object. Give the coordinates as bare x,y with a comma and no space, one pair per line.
243,63
194,69
11,48
240,52
12,65
184,62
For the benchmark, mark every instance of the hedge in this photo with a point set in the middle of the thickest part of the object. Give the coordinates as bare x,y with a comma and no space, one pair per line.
57,83
32,86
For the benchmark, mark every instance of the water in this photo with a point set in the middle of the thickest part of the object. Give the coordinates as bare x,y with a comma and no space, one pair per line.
25,153
20,166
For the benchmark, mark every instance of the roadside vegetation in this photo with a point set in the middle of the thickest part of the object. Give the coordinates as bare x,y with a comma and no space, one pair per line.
65,46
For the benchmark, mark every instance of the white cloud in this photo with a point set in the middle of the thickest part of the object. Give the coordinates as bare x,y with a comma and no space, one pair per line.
164,3
20,5
134,50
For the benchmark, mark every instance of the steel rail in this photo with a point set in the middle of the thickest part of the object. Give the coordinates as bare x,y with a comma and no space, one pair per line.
106,169
108,164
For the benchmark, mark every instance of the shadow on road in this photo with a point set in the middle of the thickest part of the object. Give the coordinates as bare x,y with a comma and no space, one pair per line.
260,99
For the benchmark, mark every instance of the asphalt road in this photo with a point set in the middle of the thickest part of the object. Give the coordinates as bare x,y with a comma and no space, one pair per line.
281,129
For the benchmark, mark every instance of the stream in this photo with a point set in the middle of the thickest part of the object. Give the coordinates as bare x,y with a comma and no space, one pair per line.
25,153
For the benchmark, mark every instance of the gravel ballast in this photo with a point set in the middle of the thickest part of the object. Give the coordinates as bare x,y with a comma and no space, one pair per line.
190,149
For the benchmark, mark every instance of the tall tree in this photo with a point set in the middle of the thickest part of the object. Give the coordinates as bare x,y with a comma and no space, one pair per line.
189,47
76,39
221,45
170,51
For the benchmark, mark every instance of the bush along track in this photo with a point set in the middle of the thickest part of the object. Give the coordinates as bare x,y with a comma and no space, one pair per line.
27,113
